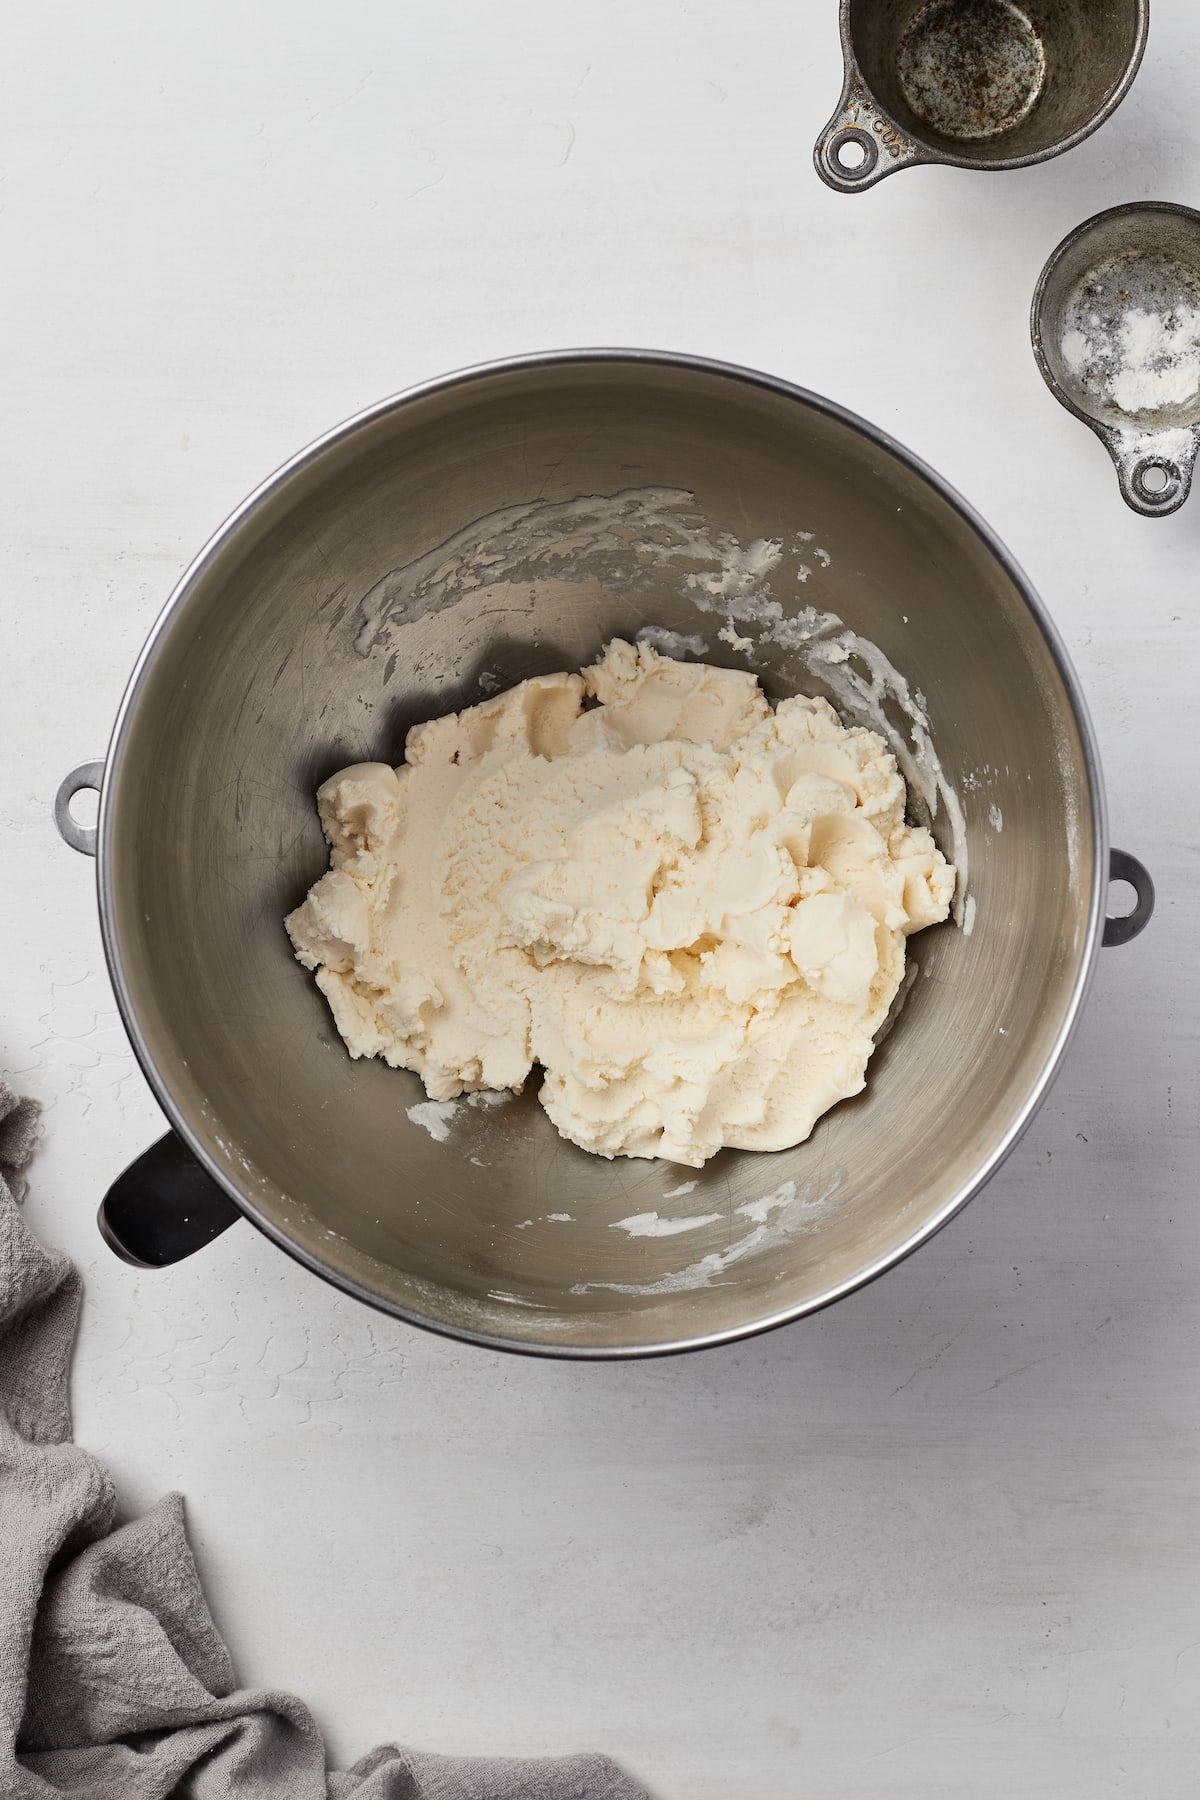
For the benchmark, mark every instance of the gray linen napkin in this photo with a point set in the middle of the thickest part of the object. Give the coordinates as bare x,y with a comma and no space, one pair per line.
114,1684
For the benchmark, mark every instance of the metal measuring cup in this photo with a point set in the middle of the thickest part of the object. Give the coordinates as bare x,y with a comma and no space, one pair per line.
977,84
1116,332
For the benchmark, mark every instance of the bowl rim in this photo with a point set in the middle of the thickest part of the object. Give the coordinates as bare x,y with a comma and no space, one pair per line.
255,501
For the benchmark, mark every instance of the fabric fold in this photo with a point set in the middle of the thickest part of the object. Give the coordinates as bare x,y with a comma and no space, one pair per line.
114,1681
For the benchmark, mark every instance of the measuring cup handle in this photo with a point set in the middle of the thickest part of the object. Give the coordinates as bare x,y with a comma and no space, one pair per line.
1154,468
861,144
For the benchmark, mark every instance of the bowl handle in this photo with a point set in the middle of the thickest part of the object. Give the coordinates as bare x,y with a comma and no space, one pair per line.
163,1207
80,837
1123,867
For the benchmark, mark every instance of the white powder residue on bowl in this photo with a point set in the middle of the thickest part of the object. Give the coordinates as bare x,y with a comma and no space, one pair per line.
729,634
1140,361
435,1117
676,644
773,1219
651,1224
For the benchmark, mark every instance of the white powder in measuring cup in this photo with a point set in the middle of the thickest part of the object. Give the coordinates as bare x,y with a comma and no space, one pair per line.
1139,362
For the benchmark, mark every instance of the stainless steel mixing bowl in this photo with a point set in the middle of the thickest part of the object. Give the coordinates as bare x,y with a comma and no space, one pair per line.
265,674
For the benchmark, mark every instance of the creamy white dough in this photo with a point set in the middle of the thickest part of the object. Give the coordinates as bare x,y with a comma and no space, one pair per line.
689,908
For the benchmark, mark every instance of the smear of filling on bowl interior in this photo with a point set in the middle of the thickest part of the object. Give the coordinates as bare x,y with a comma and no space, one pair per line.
688,906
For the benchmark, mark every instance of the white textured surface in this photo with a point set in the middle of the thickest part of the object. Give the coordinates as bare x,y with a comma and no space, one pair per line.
940,1541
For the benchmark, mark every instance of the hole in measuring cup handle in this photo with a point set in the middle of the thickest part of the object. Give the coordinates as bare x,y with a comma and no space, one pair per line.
1156,480
851,152
79,837
1123,867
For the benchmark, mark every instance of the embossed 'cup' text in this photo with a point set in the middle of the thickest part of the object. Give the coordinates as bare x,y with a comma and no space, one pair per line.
892,142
